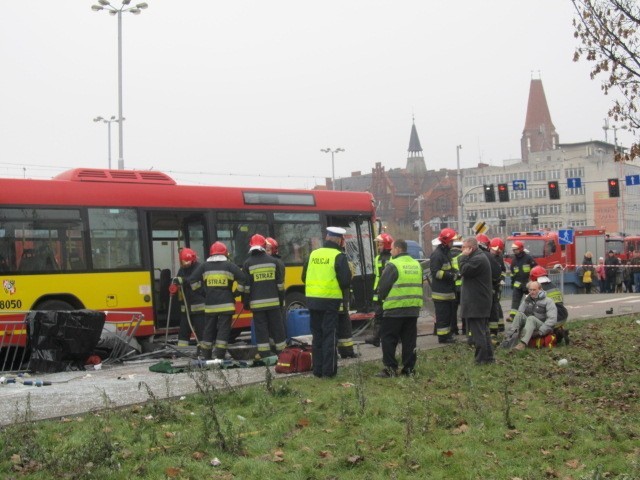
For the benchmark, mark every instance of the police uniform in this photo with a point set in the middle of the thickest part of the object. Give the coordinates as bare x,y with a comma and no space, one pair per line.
326,275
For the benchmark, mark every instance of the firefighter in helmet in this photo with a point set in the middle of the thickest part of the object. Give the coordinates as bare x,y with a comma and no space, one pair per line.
521,266
383,246
192,304
264,296
218,274
443,284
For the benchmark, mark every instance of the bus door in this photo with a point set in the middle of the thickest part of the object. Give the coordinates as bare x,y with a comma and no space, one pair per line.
360,250
171,231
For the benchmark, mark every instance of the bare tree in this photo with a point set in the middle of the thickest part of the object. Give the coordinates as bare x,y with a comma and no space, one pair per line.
608,31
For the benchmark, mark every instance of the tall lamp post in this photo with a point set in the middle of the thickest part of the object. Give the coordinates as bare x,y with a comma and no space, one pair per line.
333,171
108,122
460,199
105,5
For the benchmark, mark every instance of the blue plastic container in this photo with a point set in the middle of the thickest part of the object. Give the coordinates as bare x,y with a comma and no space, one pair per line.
298,323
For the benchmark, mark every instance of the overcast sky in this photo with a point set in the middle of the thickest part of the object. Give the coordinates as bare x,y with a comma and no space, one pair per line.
247,92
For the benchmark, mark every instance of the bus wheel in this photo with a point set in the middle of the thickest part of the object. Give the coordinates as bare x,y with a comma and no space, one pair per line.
54,305
295,301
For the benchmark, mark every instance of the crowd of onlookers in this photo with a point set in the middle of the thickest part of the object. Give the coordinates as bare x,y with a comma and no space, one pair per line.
610,274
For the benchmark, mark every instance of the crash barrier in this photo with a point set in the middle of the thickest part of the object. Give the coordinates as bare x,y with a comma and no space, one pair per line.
58,340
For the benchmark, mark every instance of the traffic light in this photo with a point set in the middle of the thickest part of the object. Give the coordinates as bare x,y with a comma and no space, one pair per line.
614,187
503,219
554,190
534,218
489,193
503,192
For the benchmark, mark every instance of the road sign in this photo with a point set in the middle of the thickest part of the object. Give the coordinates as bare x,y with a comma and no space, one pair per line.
574,183
565,237
519,185
480,227
632,180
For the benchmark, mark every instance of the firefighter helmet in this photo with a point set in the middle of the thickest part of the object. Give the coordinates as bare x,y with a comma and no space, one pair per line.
386,240
218,248
482,238
447,235
517,246
497,245
257,241
187,256
273,244
537,272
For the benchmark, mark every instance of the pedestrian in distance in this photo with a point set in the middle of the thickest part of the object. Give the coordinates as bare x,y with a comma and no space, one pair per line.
264,296
476,298
400,290
587,272
635,269
611,270
602,277
218,275
327,276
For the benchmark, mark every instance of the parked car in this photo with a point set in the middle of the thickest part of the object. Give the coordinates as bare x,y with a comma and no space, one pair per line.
415,250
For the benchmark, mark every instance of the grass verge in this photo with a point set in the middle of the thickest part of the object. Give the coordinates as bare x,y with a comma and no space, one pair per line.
523,418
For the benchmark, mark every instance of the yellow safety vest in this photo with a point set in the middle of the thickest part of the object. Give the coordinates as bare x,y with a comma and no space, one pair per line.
407,289
321,280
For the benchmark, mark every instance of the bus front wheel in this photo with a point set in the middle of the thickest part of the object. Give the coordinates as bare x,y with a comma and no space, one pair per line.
54,305
295,301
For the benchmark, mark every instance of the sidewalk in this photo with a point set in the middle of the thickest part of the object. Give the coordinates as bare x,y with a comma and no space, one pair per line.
78,392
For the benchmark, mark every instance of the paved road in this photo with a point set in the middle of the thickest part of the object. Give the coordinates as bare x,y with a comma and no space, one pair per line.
73,393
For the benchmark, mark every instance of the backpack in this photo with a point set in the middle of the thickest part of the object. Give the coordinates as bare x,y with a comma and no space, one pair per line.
294,359
586,278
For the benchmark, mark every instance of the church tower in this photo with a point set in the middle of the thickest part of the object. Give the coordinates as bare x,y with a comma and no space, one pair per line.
415,160
539,134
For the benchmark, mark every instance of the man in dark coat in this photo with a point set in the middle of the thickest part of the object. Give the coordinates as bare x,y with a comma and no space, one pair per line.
476,298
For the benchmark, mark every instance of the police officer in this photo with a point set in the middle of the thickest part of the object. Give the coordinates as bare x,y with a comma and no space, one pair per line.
192,306
327,276
218,274
521,266
264,296
400,288
443,276
383,245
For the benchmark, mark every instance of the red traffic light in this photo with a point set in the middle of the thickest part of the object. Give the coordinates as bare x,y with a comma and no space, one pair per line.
613,182
554,192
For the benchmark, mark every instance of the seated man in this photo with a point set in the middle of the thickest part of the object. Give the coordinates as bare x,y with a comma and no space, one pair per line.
537,315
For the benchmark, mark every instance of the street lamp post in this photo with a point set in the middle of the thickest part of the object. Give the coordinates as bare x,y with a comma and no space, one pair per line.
105,5
108,122
333,171
460,206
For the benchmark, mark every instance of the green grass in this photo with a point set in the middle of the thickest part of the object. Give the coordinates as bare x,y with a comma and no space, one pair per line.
524,417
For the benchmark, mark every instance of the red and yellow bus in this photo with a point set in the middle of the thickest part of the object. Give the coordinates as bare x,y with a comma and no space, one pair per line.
108,240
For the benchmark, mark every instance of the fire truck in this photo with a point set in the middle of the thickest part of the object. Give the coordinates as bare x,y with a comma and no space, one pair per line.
548,251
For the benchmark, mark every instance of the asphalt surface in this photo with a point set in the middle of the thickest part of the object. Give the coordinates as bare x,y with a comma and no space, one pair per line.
77,392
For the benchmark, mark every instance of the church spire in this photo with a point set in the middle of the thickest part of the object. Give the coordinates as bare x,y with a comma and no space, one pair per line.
539,133
415,159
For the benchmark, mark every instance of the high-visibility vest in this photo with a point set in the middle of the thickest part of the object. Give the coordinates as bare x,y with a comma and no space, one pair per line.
321,280
377,271
407,289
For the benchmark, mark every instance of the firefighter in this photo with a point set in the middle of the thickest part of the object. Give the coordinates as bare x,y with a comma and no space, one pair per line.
539,274
496,246
192,305
484,243
383,246
264,296
443,285
273,250
327,276
521,266
456,251
218,274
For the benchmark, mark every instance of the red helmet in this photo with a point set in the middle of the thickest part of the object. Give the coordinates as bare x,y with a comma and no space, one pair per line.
271,242
537,272
497,245
257,241
482,238
187,256
517,245
386,240
218,248
447,236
